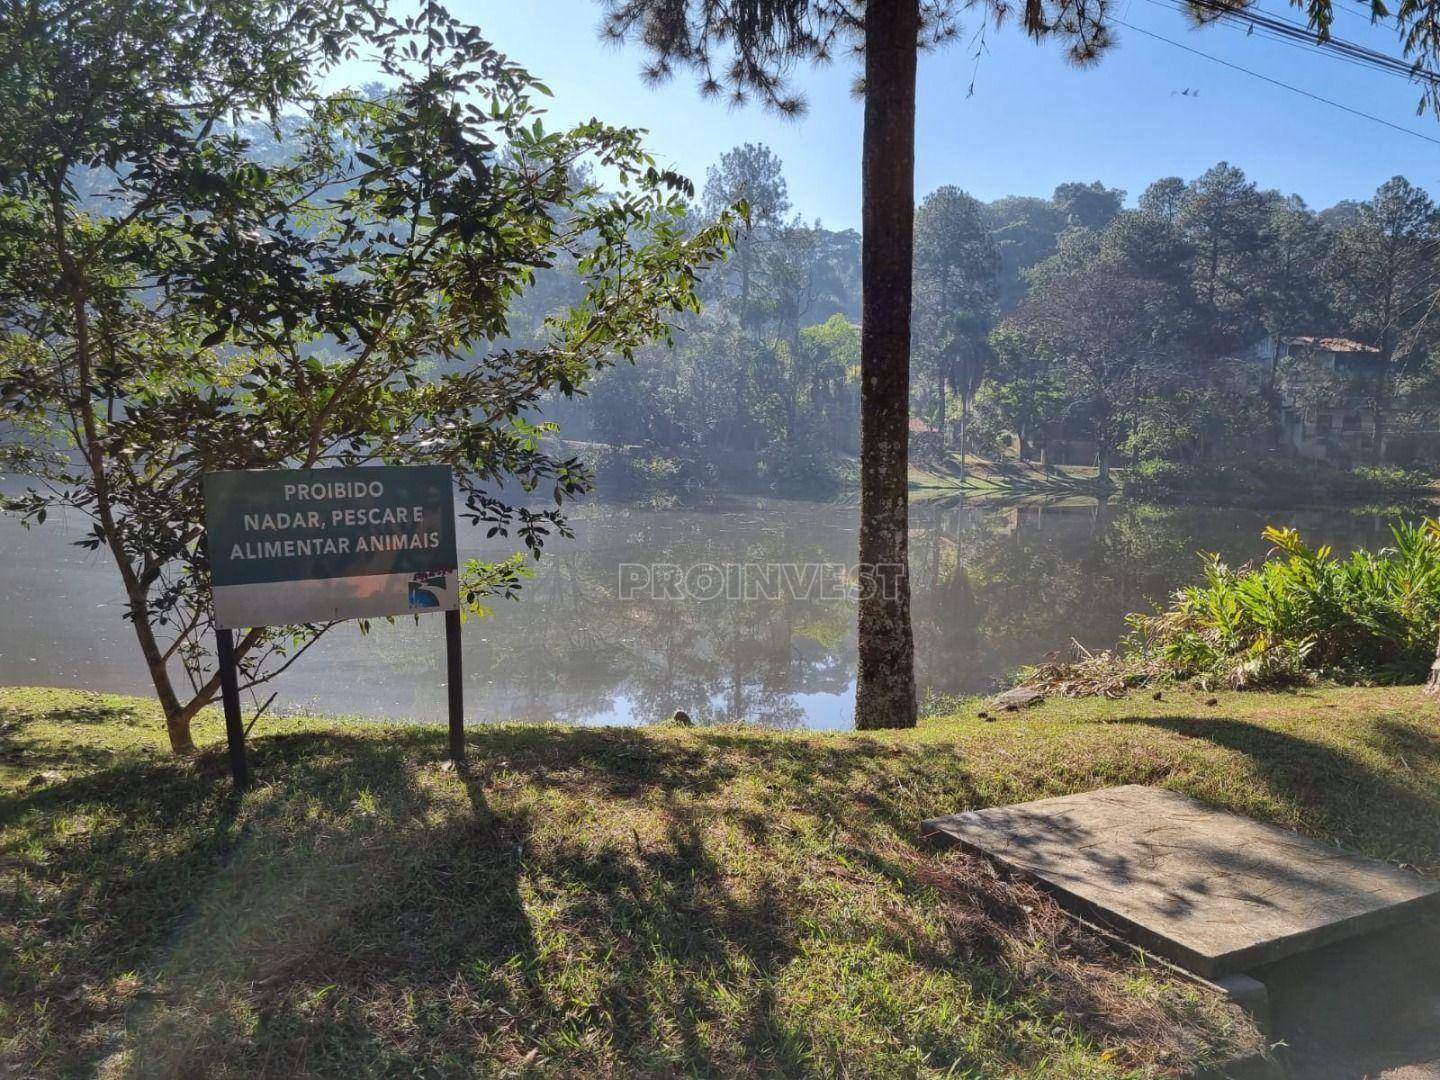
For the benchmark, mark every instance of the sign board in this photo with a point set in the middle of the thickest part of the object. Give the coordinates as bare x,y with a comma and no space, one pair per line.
319,545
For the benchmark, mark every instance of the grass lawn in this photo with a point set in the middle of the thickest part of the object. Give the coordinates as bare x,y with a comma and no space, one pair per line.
613,902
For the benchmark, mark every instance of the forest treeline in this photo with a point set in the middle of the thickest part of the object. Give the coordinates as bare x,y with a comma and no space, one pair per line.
1086,319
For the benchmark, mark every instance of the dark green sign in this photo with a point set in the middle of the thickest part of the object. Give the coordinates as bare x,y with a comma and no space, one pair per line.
319,545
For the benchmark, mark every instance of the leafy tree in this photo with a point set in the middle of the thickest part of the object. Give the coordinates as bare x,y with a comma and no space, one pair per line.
1023,396
1088,206
956,271
723,406
748,48
1196,414
1382,265
802,274
1293,297
834,365
1110,334
194,305
1344,213
1382,271
1148,246
1025,231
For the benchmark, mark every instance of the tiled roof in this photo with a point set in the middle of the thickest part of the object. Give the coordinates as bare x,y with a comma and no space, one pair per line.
1332,344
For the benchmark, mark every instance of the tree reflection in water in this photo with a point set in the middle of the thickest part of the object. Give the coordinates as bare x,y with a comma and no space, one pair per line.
996,586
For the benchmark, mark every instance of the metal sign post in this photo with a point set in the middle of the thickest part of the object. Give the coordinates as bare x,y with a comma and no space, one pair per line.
455,684
230,695
294,546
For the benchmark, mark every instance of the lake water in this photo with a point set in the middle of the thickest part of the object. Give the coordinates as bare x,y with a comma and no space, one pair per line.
995,587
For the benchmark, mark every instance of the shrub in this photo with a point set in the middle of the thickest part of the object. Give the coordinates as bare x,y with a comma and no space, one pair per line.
1369,617
1395,479
925,448
1264,478
1154,478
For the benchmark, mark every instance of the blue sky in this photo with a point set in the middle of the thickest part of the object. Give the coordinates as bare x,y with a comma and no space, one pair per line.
1032,122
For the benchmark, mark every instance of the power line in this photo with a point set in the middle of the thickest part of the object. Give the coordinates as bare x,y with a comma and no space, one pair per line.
1298,36
1306,46
1277,82
1281,28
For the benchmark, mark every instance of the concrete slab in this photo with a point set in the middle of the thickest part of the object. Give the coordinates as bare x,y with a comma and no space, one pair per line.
1212,891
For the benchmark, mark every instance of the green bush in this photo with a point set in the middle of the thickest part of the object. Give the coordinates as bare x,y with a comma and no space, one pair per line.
1264,478
1397,479
1152,478
1370,617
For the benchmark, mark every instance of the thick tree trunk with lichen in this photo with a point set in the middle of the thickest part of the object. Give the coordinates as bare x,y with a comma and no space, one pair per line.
1432,684
885,691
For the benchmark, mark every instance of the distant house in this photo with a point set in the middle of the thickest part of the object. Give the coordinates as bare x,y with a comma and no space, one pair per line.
1339,355
1326,394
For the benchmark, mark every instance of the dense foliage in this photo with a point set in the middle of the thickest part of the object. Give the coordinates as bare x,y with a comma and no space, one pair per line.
1068,328
184,289
1371,616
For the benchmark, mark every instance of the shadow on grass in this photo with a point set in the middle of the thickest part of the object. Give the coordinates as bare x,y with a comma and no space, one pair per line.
92,712
349,915
99,870
629,925
1408,743
347,868
1381,812
17,748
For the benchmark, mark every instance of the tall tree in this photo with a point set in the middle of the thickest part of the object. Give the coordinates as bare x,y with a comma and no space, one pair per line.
1224,216
1382,266
795,278
956,280
751,174
1145,245
1383,274
1165,198
1023,394
1025,230
193,306
1109,330
747,47
1293,299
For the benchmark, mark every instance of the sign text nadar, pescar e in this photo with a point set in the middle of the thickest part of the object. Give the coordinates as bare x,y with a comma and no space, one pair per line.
320,545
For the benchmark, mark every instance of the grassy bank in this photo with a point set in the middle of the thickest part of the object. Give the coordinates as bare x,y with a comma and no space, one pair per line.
1262,480
1254,481
977,477
617,902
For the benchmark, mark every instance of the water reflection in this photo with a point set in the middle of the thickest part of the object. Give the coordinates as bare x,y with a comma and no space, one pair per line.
995,587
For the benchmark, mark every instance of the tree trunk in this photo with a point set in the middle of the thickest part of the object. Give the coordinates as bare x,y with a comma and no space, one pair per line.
177,716
92,446
1432,685
940,386
964,424
745,283
885,689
